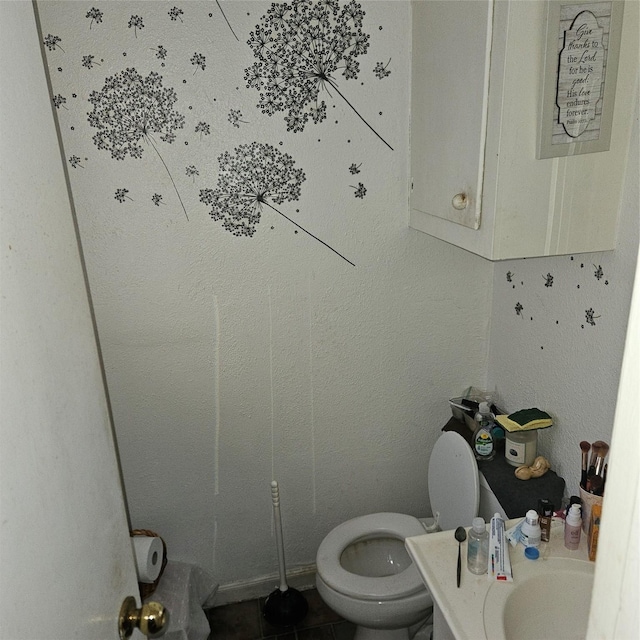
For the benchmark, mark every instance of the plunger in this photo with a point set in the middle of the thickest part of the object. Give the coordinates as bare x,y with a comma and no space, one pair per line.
285,606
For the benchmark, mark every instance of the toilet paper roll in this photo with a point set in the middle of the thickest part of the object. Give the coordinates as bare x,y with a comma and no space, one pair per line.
148,553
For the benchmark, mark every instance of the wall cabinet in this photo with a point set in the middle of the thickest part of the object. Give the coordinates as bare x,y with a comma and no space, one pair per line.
477,80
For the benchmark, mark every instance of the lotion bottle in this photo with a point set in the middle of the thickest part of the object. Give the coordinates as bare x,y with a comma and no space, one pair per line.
483,445
531,532
572,527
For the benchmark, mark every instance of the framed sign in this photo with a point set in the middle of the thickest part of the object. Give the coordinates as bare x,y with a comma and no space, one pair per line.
581,65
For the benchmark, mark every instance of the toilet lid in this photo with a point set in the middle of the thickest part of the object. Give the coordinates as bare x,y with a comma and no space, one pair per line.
454,489
396,525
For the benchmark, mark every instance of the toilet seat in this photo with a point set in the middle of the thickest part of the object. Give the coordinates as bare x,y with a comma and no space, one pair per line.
376,525
454,482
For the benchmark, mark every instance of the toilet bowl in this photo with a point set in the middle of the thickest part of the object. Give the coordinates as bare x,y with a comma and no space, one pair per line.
364,572
367,575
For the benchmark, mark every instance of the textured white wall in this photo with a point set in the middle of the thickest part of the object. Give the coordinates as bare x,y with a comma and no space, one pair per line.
234,360
562,351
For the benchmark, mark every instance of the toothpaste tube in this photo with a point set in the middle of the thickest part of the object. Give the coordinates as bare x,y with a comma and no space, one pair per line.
499,564
514,535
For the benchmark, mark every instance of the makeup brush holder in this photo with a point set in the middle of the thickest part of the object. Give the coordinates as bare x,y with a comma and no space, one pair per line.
588,500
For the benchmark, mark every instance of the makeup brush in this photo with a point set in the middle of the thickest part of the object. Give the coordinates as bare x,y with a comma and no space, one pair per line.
603,450
584,447
595,450
599,482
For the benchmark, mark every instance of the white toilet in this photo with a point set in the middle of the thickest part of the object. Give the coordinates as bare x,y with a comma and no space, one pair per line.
364,572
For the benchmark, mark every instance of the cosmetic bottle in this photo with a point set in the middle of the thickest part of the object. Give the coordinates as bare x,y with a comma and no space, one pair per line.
478,547
483,445
572,527
531,532
545,509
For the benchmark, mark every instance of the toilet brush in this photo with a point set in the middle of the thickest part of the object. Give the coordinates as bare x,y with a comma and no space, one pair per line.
285,606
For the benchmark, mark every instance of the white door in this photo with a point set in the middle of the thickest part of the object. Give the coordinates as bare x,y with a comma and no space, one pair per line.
66,562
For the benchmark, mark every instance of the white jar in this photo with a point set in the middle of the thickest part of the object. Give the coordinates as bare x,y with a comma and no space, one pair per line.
520,447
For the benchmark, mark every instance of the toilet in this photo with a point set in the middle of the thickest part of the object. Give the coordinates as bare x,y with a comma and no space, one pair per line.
364,572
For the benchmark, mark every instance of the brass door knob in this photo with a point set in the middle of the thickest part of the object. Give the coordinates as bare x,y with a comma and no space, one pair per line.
151,618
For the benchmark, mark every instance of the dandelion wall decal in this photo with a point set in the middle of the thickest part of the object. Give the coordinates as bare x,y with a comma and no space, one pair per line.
381,71
176,14
161,52
198,61
235,118
191,172
95,15
249,179
299,47
360,190
590,317
89,61
59,101
130,109
121,195
137,23
52,42
203,128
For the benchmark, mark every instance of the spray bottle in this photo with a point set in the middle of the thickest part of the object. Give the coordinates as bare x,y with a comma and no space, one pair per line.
483,444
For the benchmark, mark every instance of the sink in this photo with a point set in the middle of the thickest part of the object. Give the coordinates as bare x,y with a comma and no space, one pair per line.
548,598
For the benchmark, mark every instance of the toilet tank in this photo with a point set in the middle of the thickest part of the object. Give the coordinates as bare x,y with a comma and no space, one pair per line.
489,504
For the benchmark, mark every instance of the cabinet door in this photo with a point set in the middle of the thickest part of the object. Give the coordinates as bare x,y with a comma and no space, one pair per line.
450,72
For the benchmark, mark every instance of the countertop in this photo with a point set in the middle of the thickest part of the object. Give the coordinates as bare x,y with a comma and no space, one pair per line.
435,556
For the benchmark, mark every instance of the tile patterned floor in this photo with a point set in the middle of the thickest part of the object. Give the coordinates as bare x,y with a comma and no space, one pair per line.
244,621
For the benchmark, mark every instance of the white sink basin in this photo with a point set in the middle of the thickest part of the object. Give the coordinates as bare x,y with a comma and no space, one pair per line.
548,598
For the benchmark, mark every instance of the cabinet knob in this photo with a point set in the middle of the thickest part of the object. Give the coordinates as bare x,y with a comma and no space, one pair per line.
460,201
